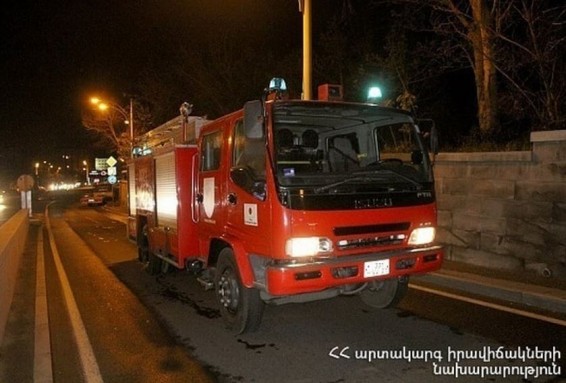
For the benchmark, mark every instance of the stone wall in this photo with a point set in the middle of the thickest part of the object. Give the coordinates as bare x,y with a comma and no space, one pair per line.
506,210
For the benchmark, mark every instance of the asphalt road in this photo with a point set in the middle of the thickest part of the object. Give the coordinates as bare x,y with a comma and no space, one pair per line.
167,328
295,341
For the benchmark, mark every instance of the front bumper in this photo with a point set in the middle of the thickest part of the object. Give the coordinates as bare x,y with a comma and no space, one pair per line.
323,273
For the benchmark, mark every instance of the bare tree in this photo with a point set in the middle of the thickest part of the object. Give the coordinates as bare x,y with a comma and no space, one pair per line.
472,22
520,40
531,57
112,127
110,130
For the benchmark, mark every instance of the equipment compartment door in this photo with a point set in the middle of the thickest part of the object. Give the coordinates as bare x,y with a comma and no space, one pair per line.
211,212
185,165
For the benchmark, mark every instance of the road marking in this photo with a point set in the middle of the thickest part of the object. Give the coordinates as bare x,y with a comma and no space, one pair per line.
89,364
42,369
490,305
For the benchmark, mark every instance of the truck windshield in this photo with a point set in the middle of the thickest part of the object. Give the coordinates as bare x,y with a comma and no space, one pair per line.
372,156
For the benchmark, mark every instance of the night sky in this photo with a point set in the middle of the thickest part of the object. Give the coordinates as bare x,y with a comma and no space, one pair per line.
55,54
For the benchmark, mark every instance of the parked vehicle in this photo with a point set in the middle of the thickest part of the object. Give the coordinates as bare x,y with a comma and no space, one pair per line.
287,201
99,195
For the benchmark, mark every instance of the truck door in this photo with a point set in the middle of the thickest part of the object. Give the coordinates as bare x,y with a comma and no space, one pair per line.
247,213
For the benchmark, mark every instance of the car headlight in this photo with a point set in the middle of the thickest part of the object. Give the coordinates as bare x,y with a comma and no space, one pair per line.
422,236
307,246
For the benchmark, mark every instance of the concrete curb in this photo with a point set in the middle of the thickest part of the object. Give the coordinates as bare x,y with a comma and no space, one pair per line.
545,298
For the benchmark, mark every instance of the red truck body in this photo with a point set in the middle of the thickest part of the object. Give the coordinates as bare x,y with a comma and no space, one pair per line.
264,221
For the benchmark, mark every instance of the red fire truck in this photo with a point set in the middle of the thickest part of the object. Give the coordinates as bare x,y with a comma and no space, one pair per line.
287,201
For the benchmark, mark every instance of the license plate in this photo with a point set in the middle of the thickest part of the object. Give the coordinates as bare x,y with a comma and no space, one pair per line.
376,268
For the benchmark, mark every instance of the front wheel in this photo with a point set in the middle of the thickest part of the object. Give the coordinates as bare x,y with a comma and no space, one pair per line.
386,293
241,307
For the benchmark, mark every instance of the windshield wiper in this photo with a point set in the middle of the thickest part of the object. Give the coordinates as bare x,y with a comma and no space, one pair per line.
347,180
371,176
417,184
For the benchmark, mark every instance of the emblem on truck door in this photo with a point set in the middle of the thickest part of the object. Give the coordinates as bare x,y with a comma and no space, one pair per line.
208,196
250,214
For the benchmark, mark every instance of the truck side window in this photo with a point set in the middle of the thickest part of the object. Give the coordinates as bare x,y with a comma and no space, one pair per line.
248,162
239,144
249,152
210,156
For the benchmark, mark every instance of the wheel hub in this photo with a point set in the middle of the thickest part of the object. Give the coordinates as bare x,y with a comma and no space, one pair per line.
228,292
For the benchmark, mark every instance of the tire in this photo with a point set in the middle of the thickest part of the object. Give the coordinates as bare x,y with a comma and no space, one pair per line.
386,293
241,307
143,254
154,264
165,267
143,249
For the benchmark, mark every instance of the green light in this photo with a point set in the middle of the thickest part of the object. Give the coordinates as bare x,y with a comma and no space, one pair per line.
374,93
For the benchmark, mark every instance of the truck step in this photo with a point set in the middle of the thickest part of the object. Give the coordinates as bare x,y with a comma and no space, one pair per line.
207,283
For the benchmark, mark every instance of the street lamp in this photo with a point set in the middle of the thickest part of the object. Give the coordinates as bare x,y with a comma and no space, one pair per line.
85,163
103,106
127,115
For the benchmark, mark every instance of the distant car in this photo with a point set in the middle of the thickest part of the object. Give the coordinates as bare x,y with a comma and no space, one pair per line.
88,200
100,195
41,194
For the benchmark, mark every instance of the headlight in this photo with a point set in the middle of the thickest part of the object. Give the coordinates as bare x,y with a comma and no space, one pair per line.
422,236
307,246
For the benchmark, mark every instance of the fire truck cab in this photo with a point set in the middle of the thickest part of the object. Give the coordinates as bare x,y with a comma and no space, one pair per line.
287,201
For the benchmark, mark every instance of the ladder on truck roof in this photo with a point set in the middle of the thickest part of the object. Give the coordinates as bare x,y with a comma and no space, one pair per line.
178,131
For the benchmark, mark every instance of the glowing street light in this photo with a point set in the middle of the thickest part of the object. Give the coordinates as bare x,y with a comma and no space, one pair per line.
104,106
128,116
85,163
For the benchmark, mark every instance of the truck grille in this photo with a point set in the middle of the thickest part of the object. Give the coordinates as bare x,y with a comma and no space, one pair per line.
380,238
396,239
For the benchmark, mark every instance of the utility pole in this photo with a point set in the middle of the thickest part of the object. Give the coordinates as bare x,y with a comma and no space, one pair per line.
305,7
131,127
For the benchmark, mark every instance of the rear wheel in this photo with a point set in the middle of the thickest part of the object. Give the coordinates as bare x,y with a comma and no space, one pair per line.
143,247
154,264
386,293
241,307
165,267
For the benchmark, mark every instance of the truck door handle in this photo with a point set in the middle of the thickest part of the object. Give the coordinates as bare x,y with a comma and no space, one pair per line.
200,197
232,199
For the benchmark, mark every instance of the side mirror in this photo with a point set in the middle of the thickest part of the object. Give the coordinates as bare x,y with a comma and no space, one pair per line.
253,119
429,132
242,177
434,140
